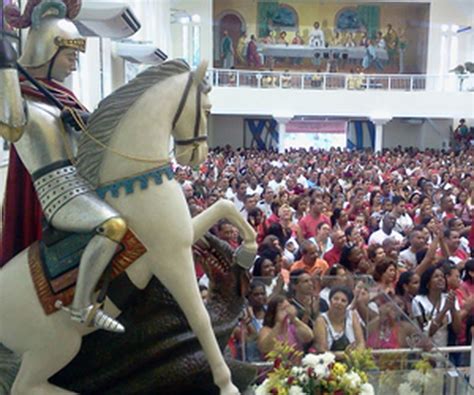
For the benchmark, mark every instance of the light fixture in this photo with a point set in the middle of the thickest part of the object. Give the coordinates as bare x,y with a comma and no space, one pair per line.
454,28
184,20
444,28
196,18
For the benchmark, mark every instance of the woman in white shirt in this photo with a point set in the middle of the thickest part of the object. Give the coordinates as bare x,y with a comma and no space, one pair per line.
339,329
434,308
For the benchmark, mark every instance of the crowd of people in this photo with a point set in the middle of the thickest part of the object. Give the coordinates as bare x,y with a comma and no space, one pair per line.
355,248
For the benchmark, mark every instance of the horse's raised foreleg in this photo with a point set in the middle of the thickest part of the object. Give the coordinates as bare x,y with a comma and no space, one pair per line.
226,209
38,365
176,271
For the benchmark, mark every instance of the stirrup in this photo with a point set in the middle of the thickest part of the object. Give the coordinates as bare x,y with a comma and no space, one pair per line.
95,317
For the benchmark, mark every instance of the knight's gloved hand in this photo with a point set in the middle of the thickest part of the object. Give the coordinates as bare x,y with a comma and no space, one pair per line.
68,118
244,257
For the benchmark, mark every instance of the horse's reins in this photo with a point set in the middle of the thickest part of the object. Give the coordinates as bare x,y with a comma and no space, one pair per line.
196,140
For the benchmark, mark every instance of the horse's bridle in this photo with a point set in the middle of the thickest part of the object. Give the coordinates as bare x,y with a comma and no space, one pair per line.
196,140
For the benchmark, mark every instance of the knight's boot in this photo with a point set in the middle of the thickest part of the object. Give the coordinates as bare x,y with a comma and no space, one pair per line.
97,255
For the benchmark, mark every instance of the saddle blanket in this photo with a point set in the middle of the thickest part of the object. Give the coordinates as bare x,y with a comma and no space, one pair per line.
54,274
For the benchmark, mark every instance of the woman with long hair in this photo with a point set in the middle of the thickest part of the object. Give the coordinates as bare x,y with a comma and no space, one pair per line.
434,308
339,219
406,289
282,324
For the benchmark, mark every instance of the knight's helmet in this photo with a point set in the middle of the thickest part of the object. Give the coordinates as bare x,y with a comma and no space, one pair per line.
51,28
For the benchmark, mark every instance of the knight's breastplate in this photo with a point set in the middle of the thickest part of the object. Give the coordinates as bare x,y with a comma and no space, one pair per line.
45,140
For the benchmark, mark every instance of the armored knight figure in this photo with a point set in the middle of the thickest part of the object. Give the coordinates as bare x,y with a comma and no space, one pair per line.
47,145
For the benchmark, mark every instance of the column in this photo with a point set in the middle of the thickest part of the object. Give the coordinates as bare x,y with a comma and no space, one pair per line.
282,121
379,124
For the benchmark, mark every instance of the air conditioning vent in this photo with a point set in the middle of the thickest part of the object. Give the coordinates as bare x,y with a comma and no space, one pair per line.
111,20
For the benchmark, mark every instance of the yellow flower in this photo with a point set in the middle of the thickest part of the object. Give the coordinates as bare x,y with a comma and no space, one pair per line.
339,369
363,376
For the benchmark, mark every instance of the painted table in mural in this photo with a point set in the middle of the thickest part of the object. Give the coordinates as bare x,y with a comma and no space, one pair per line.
306,51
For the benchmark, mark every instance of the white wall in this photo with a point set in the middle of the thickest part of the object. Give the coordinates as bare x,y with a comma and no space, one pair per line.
226,129
203,8
448,12
374,103
399,132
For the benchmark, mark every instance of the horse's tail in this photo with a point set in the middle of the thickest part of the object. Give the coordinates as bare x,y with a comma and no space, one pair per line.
9,365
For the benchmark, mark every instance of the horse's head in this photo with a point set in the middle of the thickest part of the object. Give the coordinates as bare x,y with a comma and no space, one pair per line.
189,128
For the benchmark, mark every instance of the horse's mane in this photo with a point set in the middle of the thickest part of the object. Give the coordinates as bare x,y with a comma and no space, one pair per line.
110,111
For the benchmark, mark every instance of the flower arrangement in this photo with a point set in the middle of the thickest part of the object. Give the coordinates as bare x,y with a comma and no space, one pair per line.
422,380
316,374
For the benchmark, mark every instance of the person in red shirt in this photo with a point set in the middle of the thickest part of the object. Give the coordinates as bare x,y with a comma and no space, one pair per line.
307,225
333,256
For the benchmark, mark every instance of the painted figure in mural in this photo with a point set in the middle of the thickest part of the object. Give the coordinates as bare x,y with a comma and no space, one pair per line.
381,41
242,49
350,41
227,51
391,41
316,37
297,40
370,57
327,31
66,200
253,57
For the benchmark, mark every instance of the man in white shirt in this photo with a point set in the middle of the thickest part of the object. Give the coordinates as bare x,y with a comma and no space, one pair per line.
300,178
254,188
417,243
239,198
266,203
404,223
278,182
387,231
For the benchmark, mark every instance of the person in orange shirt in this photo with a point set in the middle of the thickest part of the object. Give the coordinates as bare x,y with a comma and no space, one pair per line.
310,261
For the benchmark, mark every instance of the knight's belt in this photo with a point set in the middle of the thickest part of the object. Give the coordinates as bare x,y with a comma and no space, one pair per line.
57,184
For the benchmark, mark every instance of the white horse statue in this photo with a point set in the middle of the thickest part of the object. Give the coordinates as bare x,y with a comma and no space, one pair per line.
129,136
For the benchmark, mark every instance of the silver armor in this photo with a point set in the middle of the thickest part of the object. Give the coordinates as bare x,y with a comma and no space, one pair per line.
47,148
12,112
68,202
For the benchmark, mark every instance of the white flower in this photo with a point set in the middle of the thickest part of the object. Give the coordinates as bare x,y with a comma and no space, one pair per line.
367,389
405,389
296,370
296,390
328,358
352,380
314,360
310,360
303,378
320,371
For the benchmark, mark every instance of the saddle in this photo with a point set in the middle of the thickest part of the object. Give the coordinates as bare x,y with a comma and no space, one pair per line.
54,263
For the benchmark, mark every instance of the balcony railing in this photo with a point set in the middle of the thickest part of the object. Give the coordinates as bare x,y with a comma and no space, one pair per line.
339,81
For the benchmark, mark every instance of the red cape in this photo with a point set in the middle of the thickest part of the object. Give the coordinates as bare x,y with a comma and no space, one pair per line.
21,220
